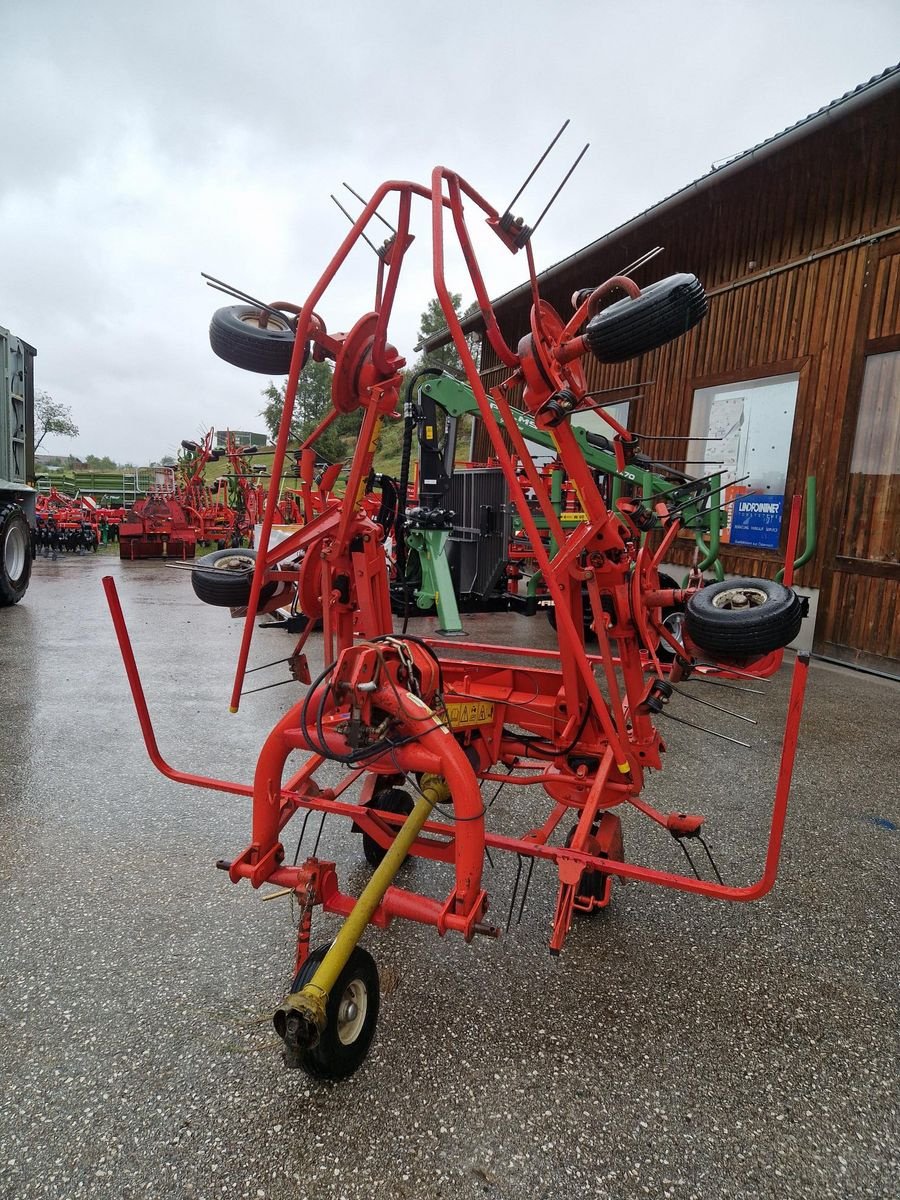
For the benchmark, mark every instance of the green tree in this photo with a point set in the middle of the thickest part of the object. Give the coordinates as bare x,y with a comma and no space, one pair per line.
53,417
433,321
312,403
99,464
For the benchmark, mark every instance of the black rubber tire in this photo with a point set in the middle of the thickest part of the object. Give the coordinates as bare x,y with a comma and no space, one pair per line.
15,554
332,1058
663,311
235,335
773,620
592,884
673,619
587,616
224,577
664,652
394,800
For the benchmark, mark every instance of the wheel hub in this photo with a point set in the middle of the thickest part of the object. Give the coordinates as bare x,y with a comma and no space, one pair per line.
352,1012
741,597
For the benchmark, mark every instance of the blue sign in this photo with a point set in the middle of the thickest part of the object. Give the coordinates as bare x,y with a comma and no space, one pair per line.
756,521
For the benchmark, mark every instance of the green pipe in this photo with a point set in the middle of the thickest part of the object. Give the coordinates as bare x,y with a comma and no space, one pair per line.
809,545
556,482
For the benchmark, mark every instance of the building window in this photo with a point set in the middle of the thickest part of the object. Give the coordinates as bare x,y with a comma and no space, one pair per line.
872,518
743,430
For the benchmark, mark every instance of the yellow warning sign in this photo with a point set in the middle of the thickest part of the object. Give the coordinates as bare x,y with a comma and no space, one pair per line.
465,713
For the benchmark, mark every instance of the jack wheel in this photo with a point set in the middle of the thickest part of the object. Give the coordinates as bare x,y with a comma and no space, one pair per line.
350,1015
393,801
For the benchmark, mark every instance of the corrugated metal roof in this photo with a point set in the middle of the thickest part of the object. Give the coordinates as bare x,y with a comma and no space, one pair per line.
890,76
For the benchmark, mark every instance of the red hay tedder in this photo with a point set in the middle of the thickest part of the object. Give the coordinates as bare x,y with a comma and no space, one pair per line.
420,723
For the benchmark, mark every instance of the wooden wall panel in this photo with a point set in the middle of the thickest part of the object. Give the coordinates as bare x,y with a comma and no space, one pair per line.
863,615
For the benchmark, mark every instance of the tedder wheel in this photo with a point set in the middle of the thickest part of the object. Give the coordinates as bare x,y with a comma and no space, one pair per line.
742,617
593,883
223,578
236,335
673,621
393,800
587,616
663,311
351,1015
15,554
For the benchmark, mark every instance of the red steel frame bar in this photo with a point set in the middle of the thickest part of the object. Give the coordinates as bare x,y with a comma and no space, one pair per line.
527,847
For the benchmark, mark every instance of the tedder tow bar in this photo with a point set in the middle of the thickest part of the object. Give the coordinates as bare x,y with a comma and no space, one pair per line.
421,724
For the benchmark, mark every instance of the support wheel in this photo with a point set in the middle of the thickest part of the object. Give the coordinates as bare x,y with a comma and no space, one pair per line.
742,617
237,335
394,800
351,1015
664,310
594,886
224,578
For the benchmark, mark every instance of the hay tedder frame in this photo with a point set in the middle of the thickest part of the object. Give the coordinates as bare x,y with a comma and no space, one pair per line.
420,725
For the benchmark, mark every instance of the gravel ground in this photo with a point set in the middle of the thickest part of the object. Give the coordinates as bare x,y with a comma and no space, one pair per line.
678,1048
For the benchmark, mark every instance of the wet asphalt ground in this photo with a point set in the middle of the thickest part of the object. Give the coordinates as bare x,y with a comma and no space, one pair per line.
679,1047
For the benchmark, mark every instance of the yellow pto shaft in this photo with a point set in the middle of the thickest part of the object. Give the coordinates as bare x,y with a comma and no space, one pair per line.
309,1004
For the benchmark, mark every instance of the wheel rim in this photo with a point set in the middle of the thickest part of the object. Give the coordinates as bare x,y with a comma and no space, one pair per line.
14,551
235,562
273,324
740,598
352,1012
674,624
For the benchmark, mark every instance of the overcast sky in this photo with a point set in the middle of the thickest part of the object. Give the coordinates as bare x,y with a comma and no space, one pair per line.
146,143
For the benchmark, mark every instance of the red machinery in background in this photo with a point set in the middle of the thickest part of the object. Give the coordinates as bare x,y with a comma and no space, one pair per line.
420,726
157,526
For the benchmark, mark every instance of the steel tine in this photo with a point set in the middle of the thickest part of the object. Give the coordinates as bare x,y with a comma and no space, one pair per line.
353,222
642,261
525,890
559,189
622,387
249,300
229,290
717,707
319,834
365,202
703,729
714,492
664,437
732,671
277,661
680,842
515,892
721,683
265,687
309,813
692,482
534,169
712,861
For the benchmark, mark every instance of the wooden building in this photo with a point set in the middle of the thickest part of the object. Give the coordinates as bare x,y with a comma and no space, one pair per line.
796,368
